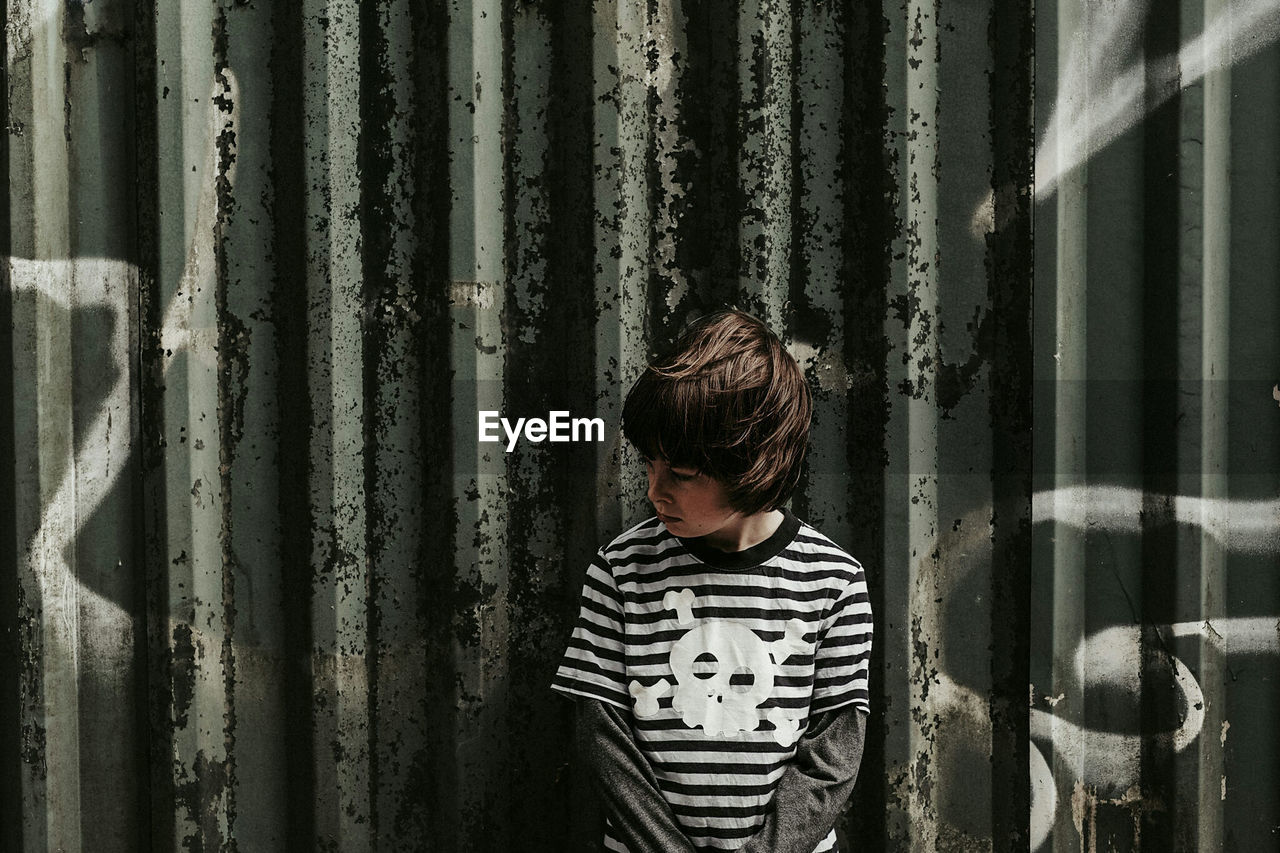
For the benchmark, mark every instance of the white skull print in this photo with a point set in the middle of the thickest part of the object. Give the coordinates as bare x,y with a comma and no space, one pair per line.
723,673
705,661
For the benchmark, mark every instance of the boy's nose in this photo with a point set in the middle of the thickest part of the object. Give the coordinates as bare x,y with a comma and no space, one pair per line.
657,490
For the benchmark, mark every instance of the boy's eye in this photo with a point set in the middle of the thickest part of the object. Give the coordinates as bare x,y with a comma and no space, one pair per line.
682,475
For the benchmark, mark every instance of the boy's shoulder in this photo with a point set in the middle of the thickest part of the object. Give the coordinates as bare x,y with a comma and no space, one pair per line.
810,545
646,539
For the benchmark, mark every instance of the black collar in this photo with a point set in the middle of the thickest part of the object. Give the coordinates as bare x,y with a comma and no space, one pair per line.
751,557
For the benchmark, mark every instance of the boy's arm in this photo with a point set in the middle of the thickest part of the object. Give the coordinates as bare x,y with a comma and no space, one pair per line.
814,787
640,814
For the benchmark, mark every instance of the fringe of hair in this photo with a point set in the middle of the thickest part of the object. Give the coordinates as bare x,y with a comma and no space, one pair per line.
730,401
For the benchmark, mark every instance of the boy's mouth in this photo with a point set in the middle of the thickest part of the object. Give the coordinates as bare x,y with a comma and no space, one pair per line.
664,518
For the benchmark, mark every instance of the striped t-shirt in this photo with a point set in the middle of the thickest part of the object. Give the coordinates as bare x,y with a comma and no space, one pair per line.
721,658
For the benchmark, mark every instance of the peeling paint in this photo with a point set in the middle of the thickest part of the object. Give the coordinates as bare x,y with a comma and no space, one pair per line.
183,665
344,225
1085,807
473,294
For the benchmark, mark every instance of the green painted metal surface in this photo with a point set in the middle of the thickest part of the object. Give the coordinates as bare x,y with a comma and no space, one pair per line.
263,588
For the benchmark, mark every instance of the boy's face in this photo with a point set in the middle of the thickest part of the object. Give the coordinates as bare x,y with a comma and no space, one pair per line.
688,502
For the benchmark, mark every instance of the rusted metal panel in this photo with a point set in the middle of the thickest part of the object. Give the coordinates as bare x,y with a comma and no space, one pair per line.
72,305
251,418
266,264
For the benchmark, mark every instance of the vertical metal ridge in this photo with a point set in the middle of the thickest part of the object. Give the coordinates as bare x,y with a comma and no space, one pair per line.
189,246
549,300
868,231
921,447
376,105
1010,285
1161,236
232,373
693,158
1071,263
397,452
905,662
657,37
572,312
1215,326
634,227
608,201
53,790
27,518
813,321
431,203
155,669
614,338
478,284
534,386
139,78
1185,475
289,319
670,292
335,371
765,148
11,646
257,668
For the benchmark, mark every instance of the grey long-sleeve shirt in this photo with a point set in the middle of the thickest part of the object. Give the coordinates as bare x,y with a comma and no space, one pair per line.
808,800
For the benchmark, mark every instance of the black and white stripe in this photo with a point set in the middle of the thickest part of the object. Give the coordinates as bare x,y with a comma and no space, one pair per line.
720,785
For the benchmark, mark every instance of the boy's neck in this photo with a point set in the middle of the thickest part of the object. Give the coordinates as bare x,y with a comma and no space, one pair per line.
745,531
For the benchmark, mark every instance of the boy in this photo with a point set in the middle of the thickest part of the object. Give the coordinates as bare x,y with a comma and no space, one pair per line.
720,657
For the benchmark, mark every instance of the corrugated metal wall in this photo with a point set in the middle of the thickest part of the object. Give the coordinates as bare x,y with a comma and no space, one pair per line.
269,592
1156,596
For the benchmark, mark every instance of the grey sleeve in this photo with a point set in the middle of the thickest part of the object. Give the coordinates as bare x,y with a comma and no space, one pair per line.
814,787
640,814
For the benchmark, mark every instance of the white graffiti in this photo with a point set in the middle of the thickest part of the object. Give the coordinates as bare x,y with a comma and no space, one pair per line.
111,284
1110,759
1105,87
1113,759
1111,657
1236,524
80,463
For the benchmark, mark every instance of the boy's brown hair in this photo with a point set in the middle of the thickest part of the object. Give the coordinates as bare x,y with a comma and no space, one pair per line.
729,401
